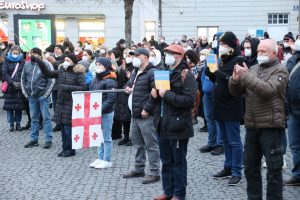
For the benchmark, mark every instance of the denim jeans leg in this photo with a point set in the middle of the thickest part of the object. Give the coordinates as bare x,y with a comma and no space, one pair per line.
167,163
138,143
235,146
107,121
35,117
18,116
44,107
10,117
227,150
211,124
294,143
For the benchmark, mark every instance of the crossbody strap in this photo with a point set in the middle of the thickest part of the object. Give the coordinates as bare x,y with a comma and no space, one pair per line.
294,69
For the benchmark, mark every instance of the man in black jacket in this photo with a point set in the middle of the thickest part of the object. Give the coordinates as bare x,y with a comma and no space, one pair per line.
142,133
174,123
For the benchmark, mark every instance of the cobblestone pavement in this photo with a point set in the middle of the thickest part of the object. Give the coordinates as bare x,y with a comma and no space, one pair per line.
37,173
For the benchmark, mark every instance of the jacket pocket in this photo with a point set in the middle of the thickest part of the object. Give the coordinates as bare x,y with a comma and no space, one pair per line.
276,158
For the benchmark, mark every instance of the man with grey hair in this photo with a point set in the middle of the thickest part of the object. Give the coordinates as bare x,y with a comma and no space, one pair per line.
264,87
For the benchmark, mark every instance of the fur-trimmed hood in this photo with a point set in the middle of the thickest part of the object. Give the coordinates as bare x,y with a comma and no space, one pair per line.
79,68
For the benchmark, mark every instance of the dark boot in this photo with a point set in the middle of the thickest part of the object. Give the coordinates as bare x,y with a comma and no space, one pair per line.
27,126
57,128
18,127
124,140
11,128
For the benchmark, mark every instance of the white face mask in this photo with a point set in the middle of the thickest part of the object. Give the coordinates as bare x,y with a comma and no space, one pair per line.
14,55
102,51
128,60
263,60
136,62
124,55
188,60
202,58
286,45
223,50
297,45
2,46
99,70
152,59
76,53
66,64
248,52
85,58
214,44
170,59
162,41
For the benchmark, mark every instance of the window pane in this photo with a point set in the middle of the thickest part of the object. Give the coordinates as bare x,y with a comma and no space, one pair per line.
280,16
269,16
202,32
60,25
150,26
91,25
286,16
280,21
286,21
270,21
274,19
212,31
91,34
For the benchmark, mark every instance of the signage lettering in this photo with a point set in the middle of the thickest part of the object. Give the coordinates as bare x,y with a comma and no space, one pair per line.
24,5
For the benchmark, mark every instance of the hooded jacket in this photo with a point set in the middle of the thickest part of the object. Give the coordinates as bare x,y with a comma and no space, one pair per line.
254,44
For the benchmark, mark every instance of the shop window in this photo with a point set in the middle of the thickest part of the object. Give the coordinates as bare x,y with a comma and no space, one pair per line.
92,31
150,29
60,31
3,30
207,32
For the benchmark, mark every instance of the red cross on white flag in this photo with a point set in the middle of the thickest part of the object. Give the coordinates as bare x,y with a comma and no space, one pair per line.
86,120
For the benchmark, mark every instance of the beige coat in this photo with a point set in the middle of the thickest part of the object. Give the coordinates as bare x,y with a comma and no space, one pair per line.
264,88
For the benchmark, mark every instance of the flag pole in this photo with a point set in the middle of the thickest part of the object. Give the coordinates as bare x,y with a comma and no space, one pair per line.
103,91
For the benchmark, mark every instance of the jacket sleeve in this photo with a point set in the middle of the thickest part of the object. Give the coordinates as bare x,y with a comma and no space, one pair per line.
47,72
236,88
111,96
149,105
50,82
185,100
81,85
269,88
24,81
5,72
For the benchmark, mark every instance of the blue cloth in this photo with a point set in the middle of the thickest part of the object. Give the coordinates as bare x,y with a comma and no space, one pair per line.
207,84
37,107
14,116
11,58
88,77
104,151
233,147
294,143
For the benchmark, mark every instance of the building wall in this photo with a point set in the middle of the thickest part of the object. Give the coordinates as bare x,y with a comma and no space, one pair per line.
184,16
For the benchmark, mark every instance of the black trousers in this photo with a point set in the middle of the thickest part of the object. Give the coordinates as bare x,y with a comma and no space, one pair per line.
267,142
120,126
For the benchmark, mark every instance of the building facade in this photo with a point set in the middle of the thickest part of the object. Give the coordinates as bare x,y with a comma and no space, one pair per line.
102,21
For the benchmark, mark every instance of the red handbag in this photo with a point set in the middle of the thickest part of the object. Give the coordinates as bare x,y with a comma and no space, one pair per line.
4,85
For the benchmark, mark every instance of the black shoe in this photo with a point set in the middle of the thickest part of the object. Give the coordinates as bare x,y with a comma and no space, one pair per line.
217,151
116,137
47,145
206,149
27,126
18,127
60,154
129,143
69,153
150,179
57,128
11,128
292,182
235,180
31,144
225,173
123,141
203,129
134,174
195,121
40,127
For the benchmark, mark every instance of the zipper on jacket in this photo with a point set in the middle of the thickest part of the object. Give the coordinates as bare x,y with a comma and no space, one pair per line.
32,80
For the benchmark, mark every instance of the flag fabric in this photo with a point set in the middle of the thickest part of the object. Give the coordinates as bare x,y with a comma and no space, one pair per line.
86,120
162,80
212,62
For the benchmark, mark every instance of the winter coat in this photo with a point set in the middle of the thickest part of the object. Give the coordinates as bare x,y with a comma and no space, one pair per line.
226,106
68,81
59,60
143,85
106,83
13,97
122,111
173,116
34,83
264,88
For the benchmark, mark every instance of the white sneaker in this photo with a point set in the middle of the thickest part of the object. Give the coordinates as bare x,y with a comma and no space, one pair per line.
264,164
96,162
103,165
284,163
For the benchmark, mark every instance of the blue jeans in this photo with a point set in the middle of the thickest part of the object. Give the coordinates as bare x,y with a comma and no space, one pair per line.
14,116
294,143
233,147
66,137
104,151
39,106
174,167
213,139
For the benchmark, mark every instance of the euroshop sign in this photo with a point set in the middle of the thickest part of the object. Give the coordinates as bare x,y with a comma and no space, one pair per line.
23,5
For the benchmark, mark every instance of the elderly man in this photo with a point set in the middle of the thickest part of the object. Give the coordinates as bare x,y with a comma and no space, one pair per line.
264,87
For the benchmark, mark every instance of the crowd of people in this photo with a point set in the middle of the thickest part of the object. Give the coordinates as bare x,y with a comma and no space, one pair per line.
256,84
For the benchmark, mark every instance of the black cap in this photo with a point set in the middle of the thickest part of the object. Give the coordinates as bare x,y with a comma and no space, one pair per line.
289,36
140,51
37,51
61,47
72,57
230,39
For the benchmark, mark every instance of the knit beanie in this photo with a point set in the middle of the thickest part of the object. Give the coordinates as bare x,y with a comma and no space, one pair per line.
60,47
289,36
230,39
105,62
37,51
72,57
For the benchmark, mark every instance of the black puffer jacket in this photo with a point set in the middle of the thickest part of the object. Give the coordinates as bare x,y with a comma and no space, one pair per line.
68,81
226,106
106,83
141,98
13,98
175,122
